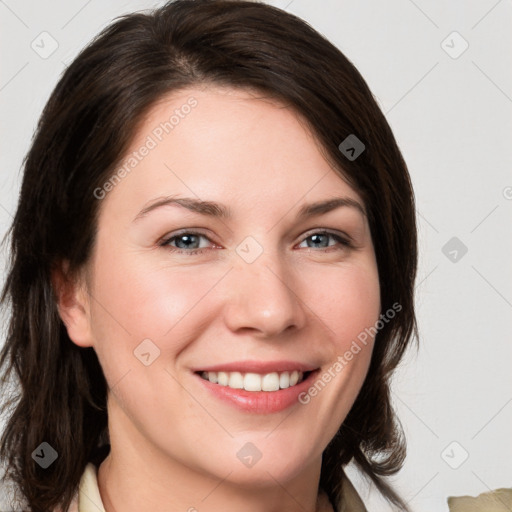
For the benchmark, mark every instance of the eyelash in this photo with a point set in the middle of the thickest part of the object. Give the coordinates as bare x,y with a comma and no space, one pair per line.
164,243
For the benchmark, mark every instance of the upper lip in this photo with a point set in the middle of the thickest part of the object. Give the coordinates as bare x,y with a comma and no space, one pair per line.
258,367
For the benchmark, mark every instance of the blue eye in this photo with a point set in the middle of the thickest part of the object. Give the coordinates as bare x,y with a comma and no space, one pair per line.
317,237
188,242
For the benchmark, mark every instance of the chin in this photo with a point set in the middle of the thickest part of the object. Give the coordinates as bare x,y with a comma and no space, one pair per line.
263,475
251,467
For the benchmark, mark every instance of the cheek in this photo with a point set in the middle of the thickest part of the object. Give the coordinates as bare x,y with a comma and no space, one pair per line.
137,297
348,302
142,300
142,309
354,325
349,308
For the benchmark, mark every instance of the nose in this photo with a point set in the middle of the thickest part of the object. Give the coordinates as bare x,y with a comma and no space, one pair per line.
264,297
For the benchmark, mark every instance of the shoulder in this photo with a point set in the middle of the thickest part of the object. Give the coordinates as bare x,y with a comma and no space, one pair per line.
499,500
350,500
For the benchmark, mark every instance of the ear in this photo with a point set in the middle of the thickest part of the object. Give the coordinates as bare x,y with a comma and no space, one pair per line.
73,304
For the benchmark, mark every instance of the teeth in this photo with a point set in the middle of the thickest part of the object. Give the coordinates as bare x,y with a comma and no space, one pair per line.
270,382
284,380
254,381
236,380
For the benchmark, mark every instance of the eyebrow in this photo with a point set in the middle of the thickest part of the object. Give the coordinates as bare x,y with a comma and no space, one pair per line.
218,210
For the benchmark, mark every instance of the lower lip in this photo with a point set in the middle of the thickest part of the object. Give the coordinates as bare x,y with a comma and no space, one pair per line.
259,402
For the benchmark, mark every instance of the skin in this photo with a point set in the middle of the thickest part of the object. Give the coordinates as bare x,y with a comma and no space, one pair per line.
173,445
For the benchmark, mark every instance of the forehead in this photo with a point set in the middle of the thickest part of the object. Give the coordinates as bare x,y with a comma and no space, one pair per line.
221,114
213,141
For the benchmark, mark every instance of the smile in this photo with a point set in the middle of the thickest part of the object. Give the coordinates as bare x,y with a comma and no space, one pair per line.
273,381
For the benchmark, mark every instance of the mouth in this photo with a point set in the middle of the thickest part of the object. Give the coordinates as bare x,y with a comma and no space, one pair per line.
257,387
257,393
254,382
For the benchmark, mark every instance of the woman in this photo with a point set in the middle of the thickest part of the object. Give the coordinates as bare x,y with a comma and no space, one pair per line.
242,372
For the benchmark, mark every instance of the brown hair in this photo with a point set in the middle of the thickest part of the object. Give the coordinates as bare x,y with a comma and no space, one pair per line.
92,115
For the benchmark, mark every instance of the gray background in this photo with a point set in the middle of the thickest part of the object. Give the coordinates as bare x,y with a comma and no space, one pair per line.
451,114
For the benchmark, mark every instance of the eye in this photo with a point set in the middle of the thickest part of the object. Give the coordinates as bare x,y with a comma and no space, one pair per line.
320,237
188,242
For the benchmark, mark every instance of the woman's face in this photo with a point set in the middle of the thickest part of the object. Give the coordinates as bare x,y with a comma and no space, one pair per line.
250,291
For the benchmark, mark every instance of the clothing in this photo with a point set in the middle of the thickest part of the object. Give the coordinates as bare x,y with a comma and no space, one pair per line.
88,498
499,500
